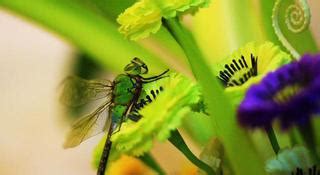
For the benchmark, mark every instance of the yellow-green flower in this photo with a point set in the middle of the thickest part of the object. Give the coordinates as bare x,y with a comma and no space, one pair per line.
159,117
247,66
144,17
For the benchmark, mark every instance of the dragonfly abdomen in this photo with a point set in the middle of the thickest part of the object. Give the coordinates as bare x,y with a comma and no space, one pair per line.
117,112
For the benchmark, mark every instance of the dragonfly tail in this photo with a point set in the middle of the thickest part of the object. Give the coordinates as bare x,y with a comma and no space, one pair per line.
106,150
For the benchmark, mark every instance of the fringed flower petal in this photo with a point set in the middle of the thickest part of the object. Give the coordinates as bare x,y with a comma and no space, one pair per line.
140,20
144,17
247,66
159,117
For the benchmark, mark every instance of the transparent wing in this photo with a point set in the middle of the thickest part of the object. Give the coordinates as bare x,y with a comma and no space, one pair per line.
88,126
77,91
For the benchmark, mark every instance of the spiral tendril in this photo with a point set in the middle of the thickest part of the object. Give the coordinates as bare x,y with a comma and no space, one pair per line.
297,19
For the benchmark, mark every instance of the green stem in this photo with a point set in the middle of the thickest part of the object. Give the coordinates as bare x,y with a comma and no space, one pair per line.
307,134
293,138
222,120
273,139
177,140
149,160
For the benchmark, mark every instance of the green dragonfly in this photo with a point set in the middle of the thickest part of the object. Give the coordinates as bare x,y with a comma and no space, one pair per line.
121,102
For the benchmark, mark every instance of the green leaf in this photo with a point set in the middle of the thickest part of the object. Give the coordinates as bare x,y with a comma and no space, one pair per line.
87,30
110,8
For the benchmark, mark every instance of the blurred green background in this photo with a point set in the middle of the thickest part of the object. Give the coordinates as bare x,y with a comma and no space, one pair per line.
34,60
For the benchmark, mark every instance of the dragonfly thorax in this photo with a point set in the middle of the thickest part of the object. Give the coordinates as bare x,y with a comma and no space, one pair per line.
126,87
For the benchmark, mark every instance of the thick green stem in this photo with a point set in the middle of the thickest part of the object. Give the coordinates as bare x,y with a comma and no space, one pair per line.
308,137
222,112
273,139
177,140
149,160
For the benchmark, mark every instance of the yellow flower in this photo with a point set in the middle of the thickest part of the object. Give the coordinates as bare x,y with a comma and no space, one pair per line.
247,66
129,166
159,118
144,17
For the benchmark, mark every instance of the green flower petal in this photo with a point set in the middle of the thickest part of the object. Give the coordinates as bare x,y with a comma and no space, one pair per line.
288,160
269,57
144,17
160,117
140,20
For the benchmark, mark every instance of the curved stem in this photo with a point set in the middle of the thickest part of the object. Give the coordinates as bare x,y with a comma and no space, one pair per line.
308,137
149,160
177,140
273,139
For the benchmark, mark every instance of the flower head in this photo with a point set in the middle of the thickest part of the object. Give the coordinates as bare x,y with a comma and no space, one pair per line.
145,16
290,94
129,165
247,66
159,117
296,160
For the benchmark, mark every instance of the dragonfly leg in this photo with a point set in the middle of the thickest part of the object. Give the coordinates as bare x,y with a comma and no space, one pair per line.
118,128
156,77
153,80
135,117
132,116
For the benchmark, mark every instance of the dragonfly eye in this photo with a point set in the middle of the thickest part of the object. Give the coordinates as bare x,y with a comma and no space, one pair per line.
136,67
137,61
144,69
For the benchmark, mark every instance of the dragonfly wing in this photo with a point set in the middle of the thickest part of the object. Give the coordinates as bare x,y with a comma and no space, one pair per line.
88,126
77,91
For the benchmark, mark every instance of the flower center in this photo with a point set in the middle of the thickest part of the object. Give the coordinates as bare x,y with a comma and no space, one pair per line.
286,93
310,171
238,71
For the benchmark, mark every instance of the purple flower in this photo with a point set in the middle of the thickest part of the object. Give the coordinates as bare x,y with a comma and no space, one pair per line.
290,94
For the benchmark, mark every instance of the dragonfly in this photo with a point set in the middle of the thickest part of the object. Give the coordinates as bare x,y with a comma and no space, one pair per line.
121,102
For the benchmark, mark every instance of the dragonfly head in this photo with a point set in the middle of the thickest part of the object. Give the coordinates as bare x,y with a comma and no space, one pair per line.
136,67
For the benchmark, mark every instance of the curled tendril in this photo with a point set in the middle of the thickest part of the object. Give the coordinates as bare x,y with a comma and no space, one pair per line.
297,19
